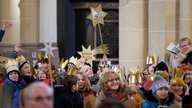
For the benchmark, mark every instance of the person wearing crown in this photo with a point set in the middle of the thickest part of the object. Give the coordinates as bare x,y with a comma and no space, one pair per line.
24,69
12,86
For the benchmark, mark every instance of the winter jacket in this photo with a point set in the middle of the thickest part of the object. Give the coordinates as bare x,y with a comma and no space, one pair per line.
69,99
188,59
153,102
11,93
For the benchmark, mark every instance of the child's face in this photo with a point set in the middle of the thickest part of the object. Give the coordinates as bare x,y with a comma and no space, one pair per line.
14,76
178,89
25,70
42,76
162,93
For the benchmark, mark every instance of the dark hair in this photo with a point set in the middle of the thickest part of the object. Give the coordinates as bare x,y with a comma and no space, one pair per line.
69,81
161,66
21,65
19,78
111,103
45,60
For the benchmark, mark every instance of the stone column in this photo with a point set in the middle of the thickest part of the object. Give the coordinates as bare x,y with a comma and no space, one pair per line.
10,12
48,21
162,26
185,18
29,21
133,32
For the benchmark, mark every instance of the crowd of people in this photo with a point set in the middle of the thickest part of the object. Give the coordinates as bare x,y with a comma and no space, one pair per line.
79,86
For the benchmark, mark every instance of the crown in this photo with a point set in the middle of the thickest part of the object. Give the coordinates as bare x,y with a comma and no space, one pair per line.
72,66
11,65
134,75
63,63
152,59
21,59
178,73
41,55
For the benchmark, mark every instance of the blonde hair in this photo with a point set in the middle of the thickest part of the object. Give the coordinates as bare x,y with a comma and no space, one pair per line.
105,78
87,85
185,39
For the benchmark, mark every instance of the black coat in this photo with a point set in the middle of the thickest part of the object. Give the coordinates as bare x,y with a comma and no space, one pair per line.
188,59
69,99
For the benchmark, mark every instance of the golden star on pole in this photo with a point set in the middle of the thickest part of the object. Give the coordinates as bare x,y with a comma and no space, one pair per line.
97,15
87,53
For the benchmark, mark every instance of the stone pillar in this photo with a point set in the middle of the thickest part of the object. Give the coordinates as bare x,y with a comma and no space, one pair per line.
162,26
133,32
48,20
29,21
185,18
10,12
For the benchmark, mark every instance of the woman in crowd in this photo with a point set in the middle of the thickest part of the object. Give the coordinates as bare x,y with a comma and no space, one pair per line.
70,98
13,84
111,88
84,85
185,56
185,45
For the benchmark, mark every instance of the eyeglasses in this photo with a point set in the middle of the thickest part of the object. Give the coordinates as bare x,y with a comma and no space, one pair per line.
116,79
184,45
41,98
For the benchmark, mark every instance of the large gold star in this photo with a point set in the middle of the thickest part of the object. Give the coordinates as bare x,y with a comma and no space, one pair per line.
88,54
97,15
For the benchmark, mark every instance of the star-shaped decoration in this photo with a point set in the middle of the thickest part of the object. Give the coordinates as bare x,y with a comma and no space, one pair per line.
97,15
48,49
101,49
87,54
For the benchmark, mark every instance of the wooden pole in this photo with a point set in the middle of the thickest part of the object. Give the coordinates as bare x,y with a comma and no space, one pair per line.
50,71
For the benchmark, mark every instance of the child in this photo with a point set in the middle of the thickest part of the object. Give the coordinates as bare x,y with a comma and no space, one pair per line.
159,97
12,86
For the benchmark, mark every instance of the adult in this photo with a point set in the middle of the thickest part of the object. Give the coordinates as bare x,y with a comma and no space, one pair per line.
38,95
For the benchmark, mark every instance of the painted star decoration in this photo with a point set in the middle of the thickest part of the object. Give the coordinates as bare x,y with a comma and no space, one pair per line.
48,49
88,54
97,15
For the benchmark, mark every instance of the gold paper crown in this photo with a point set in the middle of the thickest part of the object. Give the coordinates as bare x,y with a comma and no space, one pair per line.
134,75
41,55
152,59
11,65
120,71
72,66
21,59
178,73
63,63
